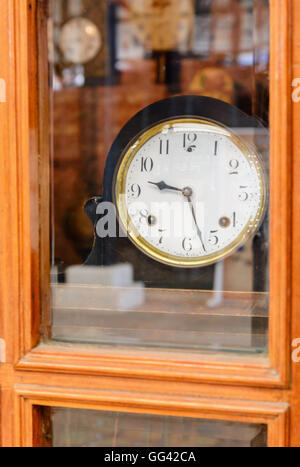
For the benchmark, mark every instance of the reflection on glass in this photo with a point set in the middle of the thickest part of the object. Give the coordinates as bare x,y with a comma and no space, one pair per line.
87,428
104,304
109,60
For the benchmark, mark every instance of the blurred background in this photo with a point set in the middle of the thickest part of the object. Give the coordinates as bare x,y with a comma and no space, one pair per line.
110,59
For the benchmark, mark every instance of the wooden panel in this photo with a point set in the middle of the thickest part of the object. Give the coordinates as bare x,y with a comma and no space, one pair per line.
273,414
65,389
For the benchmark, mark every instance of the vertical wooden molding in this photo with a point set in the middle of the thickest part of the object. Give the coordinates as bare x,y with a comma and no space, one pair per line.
24,425
8,416
28,173
45,135
278,431
280,174
295,393
9,210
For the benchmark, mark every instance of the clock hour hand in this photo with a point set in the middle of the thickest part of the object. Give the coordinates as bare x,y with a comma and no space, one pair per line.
164,186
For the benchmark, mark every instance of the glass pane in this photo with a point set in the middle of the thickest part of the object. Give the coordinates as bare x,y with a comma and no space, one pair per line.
87,428
160,225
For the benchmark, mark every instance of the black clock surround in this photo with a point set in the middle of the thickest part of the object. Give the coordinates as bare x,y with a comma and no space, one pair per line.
109,251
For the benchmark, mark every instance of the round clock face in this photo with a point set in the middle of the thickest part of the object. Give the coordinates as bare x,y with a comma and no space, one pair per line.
80,40
189,192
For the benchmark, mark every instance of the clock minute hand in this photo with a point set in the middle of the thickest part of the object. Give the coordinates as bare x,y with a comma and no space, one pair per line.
195,220
163,186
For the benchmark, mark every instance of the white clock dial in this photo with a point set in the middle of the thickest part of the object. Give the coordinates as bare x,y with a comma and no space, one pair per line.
190,192
80,41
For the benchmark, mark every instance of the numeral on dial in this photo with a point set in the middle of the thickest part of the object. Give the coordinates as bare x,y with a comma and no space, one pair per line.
214,239
143,215
135,190
187,244
147,164
161,231
243,196
234,164
164,147
188,140
234,219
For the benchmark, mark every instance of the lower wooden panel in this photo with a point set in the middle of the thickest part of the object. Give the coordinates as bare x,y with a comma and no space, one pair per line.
29,398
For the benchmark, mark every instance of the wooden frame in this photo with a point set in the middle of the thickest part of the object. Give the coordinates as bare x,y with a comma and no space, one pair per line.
241,370
24,254
274,415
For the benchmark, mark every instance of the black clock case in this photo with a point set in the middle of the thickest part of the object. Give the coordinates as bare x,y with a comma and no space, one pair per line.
110,251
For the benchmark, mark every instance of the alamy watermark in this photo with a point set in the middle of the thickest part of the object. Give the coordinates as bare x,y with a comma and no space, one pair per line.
179,219
296,91
296,352
2,90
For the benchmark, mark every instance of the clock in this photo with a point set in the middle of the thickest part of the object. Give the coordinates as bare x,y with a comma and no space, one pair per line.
85,38
80,40
163,25
188,189
166,28
189,192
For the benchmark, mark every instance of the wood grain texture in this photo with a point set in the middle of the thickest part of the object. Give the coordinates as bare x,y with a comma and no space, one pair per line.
141,362
296,33
280,182
295,394
20,182
27,136
9,245
272,414
249,388
141,395
44,144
